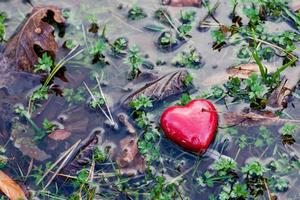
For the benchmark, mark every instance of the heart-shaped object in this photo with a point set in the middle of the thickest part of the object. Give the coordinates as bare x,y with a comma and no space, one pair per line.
192,126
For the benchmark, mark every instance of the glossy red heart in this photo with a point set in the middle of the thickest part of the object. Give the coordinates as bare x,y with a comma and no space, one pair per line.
192,126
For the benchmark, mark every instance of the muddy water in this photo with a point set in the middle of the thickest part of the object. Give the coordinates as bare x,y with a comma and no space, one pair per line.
82,120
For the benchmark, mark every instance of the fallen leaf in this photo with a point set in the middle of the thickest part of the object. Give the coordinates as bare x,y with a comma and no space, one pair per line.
242,71
254,118
123,118
295,6
129,158
60,134
82,155
22,137
35,32
161,88
279,97
10,188
182,3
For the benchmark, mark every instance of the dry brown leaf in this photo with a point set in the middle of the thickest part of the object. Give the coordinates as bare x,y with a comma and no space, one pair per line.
181,3
241,71
253,119
279,97
60,134
123,118
129,158
34,32
10,188
161,88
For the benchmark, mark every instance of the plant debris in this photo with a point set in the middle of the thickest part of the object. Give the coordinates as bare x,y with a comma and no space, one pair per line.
35,36
181,3
10,188
163,87
129,159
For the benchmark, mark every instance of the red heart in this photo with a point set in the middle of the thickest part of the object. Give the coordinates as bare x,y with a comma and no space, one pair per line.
192,126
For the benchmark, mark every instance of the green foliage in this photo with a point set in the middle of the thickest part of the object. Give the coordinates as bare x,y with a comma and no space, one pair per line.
119,46
184,99
167,39
218,36
74,97
187,16
45,63
190,59
99,156
40,94
163,191
48,126
134,60
188,80
2,26
148,145
136,13
254,169
184,31
98,50
224,165
288,129
141,103
70,44
264,138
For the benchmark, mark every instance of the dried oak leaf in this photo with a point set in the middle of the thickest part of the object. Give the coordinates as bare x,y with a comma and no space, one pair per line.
34,33
161,88
10,188
129,158
182,3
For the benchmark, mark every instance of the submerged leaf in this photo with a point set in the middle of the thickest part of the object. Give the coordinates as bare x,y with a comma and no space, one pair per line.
254,119
279,97
35,34
129,158
161,88
181,3
10,188
60,134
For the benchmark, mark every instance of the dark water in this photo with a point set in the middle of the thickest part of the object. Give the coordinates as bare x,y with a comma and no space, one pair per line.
81,120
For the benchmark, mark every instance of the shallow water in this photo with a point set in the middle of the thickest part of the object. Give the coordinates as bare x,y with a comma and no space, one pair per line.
81,120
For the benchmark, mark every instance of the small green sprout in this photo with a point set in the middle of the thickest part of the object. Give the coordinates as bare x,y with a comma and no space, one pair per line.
45,64
136,13
141,103
134,60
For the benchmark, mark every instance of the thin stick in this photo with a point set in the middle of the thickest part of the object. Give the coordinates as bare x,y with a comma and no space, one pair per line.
94,98
63,163
57,161
106,104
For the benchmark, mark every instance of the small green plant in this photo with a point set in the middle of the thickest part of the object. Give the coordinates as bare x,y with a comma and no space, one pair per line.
119,46
163,16
48,126
45,64
184,99
134,60
142,102
167,39
70,44
97,51
187,16
190,59
136,13
184,31
3,17
74,97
